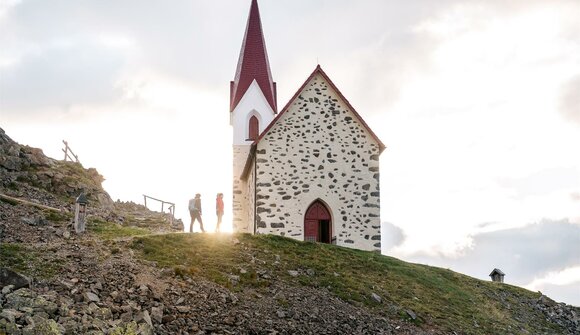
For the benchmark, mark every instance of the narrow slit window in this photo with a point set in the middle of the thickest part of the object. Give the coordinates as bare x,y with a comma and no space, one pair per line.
254,127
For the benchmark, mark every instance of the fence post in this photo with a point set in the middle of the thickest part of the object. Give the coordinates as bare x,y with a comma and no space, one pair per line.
171,206
65,150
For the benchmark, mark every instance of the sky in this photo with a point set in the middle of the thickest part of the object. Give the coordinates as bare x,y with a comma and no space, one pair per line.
478,103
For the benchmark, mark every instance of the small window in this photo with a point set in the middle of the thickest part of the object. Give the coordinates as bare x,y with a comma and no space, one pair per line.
253,128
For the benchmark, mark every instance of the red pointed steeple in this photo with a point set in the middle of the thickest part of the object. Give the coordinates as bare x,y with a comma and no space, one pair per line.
253,63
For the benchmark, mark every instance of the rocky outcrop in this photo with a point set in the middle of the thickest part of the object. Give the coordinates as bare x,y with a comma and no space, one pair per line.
14,157
564,315
26,172
137,215
29,312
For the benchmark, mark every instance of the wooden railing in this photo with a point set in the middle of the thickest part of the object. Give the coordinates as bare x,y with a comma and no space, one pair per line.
163,203
68,150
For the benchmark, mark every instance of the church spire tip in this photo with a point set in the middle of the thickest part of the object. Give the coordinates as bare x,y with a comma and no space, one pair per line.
253,63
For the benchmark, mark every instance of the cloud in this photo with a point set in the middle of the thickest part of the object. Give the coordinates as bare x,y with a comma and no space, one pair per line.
385,50
192,40
543,182
566,276
549,245
570,100
60,76
487,224
189,39
392,236
563,283
541,251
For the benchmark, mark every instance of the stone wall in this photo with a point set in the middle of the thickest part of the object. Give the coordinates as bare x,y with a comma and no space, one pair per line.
251,187
240,191
319,150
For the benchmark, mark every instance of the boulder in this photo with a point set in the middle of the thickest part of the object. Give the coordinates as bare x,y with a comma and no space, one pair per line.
91,297
46,326
10,315
105,201
6,290
147,318
25,298
38,221
9,277
157,314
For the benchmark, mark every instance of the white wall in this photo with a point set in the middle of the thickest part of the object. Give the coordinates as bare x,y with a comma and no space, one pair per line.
252,103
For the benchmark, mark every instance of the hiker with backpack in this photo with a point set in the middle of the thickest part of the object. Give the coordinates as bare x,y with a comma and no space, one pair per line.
195,212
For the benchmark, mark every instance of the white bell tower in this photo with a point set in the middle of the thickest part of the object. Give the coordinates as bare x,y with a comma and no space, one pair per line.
252,108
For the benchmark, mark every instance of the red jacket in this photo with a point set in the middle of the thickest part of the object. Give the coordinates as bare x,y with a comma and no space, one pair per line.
219,205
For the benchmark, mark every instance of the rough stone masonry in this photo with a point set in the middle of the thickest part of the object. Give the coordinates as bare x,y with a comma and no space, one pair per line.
318,150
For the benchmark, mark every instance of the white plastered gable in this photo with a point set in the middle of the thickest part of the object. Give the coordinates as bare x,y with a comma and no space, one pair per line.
253,103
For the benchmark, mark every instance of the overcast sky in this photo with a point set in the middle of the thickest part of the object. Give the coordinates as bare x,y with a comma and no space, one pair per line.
478,103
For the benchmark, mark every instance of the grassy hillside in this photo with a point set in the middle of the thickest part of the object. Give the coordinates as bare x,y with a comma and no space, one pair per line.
440,299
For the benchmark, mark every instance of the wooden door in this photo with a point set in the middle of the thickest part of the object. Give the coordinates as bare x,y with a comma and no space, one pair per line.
310,230
316,213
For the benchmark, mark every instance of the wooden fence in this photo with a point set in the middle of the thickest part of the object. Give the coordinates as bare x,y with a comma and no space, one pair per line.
68,153
171,207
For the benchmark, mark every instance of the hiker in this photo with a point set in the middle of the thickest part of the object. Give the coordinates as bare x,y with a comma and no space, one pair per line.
195,212
219,209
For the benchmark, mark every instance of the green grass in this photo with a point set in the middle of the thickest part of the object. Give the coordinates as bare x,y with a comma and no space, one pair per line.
188,255
37,263
439,297
13,256
13,186
110,231
75,172
58,216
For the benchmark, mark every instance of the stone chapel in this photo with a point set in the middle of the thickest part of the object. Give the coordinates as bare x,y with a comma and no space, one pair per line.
309,171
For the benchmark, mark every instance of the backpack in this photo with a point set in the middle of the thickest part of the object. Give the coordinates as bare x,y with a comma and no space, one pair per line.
192,205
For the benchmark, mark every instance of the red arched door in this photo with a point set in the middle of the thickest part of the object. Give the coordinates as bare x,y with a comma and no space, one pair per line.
317,223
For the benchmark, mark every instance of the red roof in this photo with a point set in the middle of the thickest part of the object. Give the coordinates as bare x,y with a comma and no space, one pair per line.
253,63
319,70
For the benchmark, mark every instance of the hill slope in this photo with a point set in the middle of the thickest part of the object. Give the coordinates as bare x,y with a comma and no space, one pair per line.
128,275
430,297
